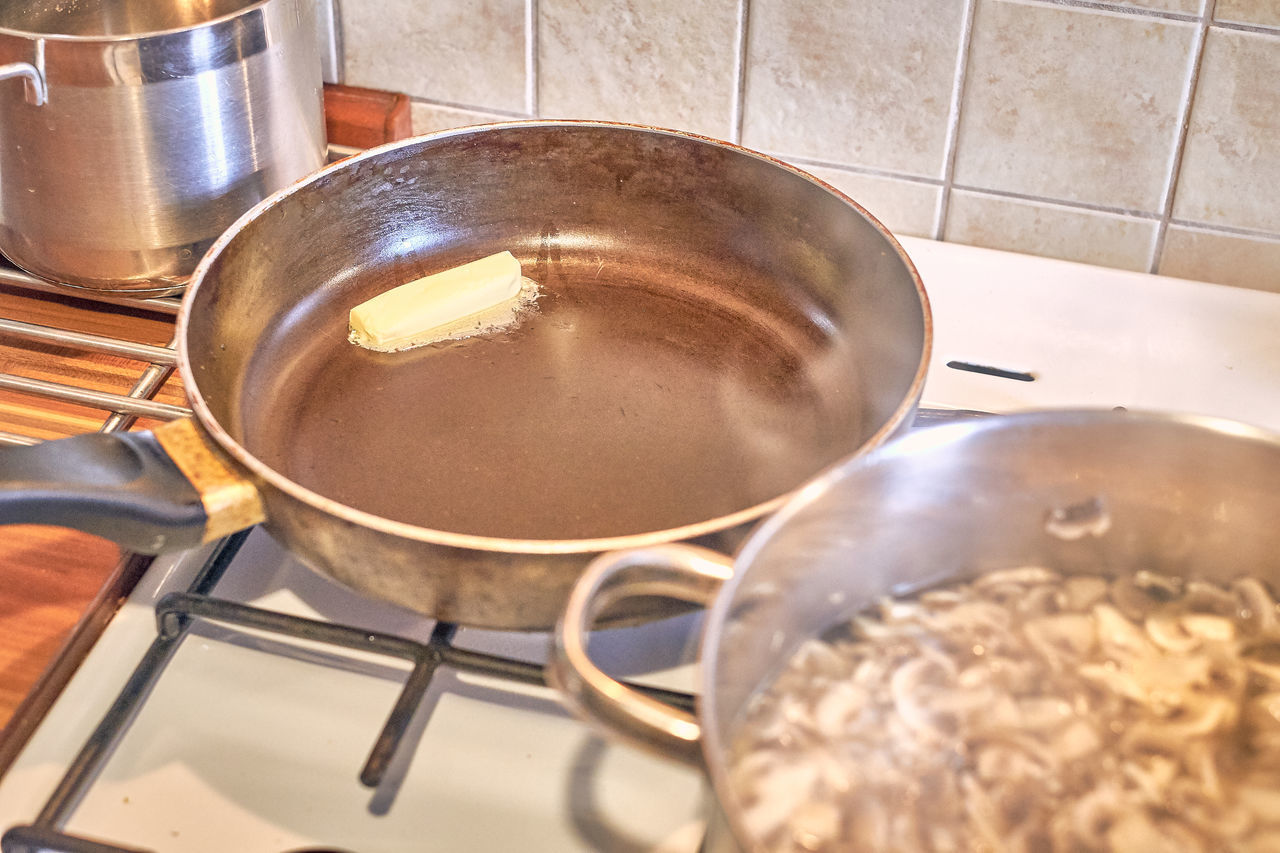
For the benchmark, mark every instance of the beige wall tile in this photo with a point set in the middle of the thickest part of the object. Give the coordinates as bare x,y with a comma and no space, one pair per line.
1231,165
1075,104
860,82
1053,231
1072,103
904,207
428,118
469,53
671,63
1264,12
1252,262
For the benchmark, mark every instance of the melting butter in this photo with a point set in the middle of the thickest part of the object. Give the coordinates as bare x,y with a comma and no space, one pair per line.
463,300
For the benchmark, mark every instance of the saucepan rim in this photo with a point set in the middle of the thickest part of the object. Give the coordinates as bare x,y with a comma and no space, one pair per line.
946,436
100,38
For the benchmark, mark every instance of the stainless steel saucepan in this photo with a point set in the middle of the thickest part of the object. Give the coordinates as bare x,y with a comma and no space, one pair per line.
134,132
1081,492
714,328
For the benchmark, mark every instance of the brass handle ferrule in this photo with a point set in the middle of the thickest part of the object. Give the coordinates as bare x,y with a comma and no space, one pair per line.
231,502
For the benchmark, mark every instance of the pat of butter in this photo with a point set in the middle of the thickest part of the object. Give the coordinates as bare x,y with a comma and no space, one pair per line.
410,314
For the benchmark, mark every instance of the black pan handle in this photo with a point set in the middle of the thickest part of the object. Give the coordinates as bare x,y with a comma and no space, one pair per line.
138,489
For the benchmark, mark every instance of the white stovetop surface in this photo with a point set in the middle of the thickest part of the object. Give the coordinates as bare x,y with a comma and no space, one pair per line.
1097,337
241,750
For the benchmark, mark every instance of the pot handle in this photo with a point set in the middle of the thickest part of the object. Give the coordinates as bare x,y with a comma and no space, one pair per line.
148,491
37,91
683,572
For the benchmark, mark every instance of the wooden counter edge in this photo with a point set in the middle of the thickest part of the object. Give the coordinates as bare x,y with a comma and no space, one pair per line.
364,118
84,635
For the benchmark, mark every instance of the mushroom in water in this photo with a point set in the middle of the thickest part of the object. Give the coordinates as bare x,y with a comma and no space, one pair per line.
1027,711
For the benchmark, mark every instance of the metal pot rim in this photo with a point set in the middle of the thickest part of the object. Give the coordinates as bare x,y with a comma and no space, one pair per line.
139,36
276,480
718,613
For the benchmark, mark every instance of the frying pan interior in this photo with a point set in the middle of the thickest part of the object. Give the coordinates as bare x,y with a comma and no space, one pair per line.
713,329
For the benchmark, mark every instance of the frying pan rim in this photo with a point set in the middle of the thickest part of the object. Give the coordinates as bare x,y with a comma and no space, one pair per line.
261,471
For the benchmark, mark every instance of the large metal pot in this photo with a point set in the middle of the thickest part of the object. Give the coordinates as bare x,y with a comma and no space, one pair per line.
134,132
714,328
1081,492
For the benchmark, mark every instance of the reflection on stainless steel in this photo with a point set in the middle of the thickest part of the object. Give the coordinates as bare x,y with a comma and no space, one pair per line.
26,281
36,94
665,262
151,381
94,399
163,123
88,18
1190,496
928,416
90,343
156,364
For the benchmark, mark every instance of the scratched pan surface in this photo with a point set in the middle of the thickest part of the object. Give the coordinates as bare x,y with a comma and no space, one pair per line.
712,330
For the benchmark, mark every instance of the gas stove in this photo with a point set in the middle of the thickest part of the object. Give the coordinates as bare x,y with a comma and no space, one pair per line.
238,701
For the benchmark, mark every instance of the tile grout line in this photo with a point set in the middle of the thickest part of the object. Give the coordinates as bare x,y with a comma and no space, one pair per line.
1232,230
1160,14
1184,128
1078,206
531,57
1132,11
852,168
738,108
1259,29
951,143
1084,206
470,108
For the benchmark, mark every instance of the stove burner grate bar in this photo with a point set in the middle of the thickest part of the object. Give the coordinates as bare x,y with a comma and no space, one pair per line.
42,839
115,403
177,612
92,343
122,410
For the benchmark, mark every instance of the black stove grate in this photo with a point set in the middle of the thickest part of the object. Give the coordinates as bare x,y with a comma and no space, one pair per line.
177,612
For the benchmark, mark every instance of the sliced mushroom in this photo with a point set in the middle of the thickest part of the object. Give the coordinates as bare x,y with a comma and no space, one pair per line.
1027,711
1205,597
1214,629
1263,802
1167,630
1132,599
1118,637
1257,607
1135,830
1081,592
1158,586
1022,575
1063,638
1263,712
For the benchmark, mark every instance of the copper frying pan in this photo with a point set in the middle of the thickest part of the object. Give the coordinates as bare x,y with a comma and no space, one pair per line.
714,329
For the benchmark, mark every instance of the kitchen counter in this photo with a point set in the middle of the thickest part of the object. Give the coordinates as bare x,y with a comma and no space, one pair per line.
57,587
50,577
253,741
1145,341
